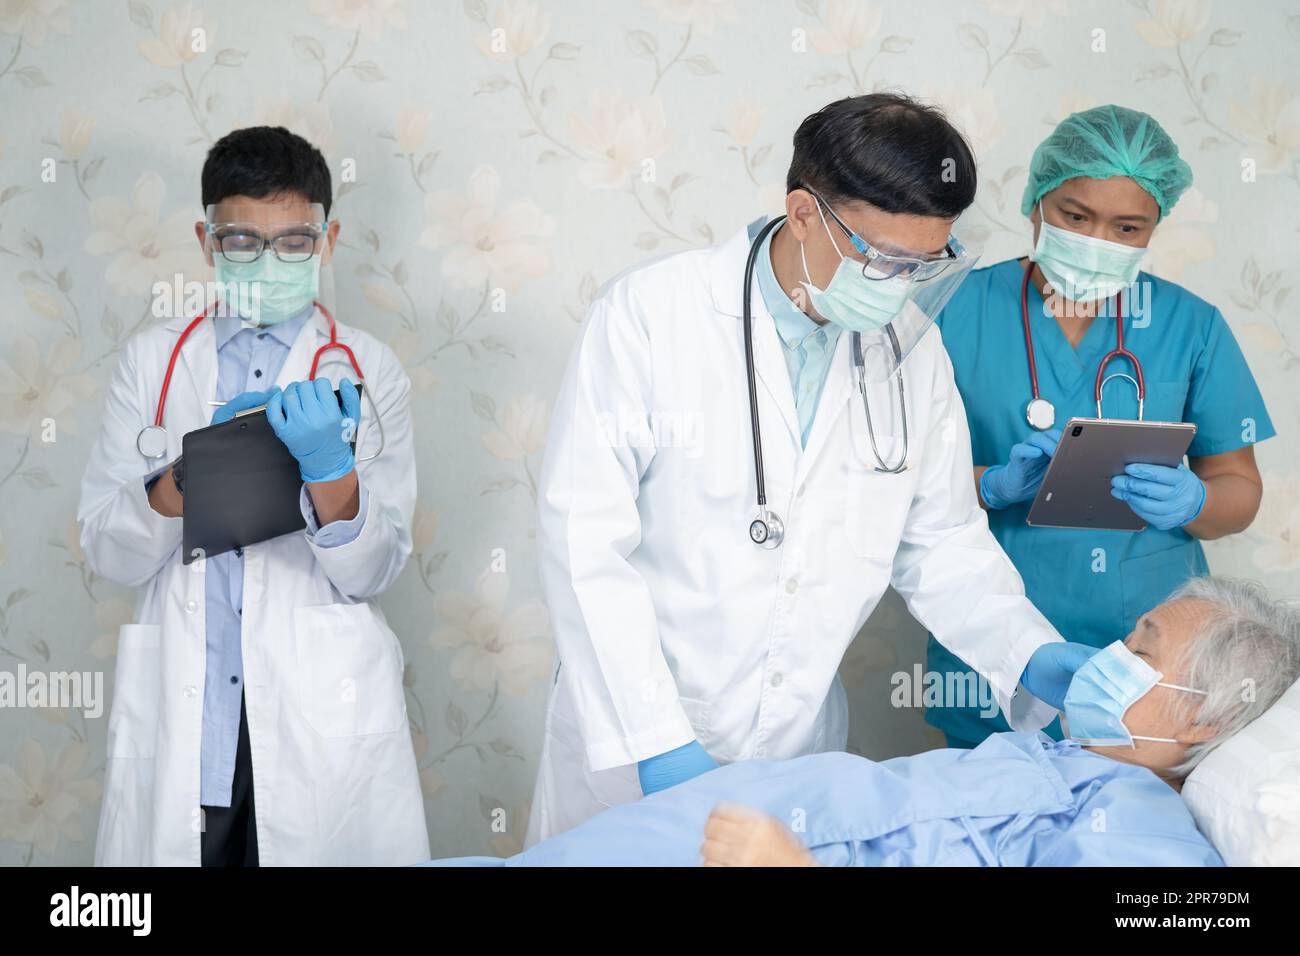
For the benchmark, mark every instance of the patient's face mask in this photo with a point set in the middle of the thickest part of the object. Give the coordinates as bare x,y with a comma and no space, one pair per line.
1081,268
1103,690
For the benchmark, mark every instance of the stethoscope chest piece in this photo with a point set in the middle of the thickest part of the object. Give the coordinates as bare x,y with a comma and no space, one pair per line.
767,530
1041,414
152,442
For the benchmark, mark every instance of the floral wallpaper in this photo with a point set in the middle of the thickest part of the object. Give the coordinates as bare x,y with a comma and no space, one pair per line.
494,162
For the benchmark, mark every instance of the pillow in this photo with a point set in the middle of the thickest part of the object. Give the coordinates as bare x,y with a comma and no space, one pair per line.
1245,796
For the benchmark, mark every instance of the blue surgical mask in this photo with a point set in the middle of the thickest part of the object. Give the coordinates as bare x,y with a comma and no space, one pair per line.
1081,268
1103,690
268,291
851,300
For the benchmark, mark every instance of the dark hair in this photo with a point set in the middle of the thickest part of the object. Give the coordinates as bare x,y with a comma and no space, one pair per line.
262,161
888,150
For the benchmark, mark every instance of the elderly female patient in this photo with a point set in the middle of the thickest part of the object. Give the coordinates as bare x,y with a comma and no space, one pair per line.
1142,714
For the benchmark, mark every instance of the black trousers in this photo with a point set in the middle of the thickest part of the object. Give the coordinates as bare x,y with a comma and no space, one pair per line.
230,833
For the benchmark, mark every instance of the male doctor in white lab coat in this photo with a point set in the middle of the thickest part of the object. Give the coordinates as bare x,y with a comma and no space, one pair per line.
258,715
683,641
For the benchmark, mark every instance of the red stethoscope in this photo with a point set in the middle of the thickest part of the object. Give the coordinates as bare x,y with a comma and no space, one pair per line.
152,440
1040,412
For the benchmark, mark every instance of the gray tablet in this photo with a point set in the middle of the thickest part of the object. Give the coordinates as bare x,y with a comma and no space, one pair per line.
1075,492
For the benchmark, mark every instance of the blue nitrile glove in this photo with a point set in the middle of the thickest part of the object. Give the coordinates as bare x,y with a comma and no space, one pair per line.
1004,485
307,418
674,767
1161,496
1051,668
240,403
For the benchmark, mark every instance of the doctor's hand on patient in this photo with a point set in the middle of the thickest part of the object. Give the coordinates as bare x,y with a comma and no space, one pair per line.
307,418
1004,485
1163,497
1051,668
673,767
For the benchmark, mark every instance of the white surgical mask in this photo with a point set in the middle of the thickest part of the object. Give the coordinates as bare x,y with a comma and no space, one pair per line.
1081,268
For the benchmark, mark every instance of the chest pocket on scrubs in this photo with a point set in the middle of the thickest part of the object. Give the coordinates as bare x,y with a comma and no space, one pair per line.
1147,580
137,692
350,671
1165,402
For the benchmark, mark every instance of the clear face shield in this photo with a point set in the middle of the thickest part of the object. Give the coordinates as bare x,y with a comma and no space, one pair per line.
267,257
932,282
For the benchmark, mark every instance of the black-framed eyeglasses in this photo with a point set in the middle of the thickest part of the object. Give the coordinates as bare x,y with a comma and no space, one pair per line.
244,242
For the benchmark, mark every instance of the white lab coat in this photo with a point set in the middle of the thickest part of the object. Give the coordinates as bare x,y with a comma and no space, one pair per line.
670,623
335,780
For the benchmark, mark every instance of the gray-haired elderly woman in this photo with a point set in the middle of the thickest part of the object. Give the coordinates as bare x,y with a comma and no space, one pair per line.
1196,670
1223,637
1227,640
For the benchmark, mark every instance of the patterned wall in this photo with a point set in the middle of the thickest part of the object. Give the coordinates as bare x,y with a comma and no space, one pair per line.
489,160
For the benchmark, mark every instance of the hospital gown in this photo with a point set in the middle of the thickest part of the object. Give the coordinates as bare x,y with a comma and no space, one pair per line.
1018,799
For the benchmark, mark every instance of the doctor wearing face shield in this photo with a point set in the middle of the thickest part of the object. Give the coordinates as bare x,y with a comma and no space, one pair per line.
751,443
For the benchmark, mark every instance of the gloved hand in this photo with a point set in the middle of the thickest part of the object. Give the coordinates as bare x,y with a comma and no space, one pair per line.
1051,668
1163,497
240,403
307,418
1004,485
674,767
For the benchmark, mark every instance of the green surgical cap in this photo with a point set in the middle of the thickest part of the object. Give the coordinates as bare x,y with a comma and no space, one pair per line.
1109,141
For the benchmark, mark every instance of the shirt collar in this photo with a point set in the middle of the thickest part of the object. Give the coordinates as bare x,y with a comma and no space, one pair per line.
226,327
792,323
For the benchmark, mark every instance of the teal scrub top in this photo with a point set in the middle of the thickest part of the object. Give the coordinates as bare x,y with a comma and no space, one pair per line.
1092,585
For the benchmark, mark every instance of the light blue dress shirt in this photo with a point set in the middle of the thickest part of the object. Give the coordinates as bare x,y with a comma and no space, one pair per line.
807,346
248,359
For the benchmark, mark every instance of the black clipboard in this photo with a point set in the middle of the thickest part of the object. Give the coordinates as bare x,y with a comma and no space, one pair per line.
242,486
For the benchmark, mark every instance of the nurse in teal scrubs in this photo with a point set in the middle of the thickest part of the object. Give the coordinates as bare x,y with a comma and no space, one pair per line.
1098,186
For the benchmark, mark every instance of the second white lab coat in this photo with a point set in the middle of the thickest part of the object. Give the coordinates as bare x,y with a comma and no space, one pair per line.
335,779
670,624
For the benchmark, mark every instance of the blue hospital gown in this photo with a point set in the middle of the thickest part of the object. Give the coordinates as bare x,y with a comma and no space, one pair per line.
1018,799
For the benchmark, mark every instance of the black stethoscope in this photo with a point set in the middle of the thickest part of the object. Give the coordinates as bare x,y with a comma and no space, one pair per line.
767,530
1040,412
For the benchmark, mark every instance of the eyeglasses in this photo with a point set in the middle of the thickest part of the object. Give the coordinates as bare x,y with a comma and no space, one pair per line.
881,265
242,242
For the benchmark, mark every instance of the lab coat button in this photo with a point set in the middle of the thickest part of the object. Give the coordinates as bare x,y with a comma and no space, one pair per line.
776,680
191,607
191,691
792,585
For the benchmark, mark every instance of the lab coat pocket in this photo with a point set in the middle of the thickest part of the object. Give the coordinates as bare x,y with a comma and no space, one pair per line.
349,671
137,692
697,712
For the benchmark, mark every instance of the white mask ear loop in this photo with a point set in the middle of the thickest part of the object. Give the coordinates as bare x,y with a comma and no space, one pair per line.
1170,740
835,245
